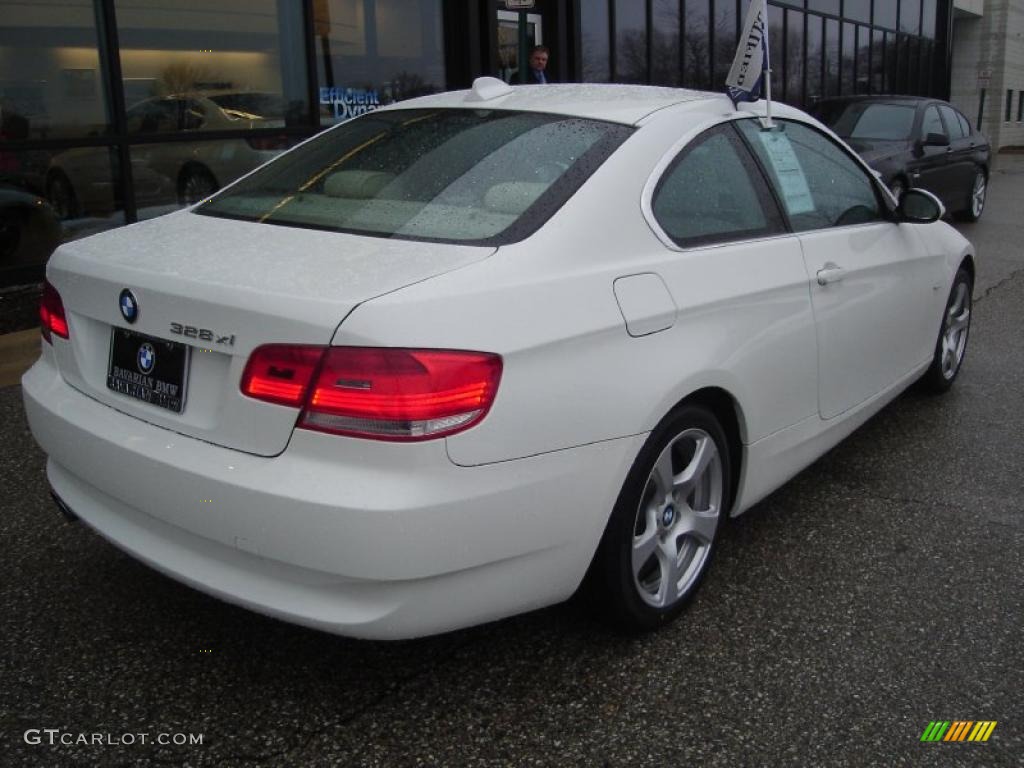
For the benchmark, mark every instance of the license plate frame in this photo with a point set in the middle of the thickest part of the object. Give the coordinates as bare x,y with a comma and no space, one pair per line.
165,385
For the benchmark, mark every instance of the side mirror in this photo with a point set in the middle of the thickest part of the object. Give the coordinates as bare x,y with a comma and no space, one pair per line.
919,206
936,140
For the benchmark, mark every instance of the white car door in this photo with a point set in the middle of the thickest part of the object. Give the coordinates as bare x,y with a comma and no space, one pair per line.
870,280
737,277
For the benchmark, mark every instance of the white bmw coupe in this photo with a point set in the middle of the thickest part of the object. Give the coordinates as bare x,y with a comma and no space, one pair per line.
450,360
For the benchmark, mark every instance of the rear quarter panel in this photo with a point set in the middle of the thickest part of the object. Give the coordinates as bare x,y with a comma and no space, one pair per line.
572,374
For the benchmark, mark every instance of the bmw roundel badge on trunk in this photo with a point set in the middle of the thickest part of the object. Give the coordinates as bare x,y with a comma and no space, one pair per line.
129,306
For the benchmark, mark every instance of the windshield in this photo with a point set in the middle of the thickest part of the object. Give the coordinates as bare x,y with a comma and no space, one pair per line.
879,122
469,176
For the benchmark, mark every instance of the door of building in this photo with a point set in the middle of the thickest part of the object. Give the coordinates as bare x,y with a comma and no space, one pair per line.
520,30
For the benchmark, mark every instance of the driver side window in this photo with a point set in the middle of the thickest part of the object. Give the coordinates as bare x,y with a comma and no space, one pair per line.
932,123
819,184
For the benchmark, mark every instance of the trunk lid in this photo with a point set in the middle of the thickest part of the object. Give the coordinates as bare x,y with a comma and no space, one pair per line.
245,284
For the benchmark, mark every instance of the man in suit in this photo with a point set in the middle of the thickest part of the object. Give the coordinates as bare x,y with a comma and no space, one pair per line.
538,64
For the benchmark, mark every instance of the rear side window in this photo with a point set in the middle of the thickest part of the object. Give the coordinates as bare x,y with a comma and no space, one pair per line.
486,177
965,124
952,123
872,121
819,184
711,193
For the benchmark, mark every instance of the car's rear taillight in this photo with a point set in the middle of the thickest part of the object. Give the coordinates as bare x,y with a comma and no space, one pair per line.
378,393
52,318
401,394
281,373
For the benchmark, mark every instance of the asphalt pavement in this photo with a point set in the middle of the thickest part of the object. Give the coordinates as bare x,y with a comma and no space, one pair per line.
880,590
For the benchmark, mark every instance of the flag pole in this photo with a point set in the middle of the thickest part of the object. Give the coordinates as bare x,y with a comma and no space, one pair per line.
768,124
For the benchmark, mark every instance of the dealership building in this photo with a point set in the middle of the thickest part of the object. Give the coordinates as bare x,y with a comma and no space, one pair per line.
113,111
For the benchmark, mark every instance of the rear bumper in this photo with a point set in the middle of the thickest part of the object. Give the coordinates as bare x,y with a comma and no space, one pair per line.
368,539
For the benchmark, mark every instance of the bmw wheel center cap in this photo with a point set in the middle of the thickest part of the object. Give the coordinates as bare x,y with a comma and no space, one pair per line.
668,516
129,306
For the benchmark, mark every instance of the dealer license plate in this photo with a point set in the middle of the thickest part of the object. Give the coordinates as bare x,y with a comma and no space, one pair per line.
148,369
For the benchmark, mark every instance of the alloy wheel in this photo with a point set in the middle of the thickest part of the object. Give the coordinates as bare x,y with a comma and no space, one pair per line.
677,518
978,195
956,327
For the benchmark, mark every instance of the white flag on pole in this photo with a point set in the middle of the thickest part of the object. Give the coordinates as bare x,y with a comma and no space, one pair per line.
749,72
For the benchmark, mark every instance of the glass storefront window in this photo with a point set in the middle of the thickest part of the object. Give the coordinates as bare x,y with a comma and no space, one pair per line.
50,196
910,16
665,43
925,83
815,73
776,47
877,61
171,174
795,58
857,10
630,42
724,31
863,84
885,14
696,44
211,64
831,57
824,6
928,11
891,63
370,54
594,41
848,80
51,78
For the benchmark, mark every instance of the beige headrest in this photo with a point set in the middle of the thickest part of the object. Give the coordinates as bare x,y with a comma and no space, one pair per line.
356,184
513,196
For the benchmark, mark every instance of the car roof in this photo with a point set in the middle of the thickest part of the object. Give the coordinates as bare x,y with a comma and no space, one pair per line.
628,104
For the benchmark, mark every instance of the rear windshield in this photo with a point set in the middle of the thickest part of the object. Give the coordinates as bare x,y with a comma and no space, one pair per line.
880,122
483,177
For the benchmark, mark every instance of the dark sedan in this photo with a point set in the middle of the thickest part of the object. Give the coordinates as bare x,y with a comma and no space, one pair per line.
916,142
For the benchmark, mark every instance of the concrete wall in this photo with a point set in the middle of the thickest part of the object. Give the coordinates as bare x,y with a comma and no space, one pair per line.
988,52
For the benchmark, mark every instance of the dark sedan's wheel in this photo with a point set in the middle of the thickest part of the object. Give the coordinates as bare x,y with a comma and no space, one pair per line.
976,202
62,197
662,533
952,343
195,185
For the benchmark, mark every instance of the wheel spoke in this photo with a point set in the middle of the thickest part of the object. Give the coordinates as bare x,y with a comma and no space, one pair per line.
668,564
703,454
643,547
662,475
960,322
700,524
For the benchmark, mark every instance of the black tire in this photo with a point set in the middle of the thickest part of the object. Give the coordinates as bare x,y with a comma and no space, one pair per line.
972,212
944,369
61,194
626,595
195,184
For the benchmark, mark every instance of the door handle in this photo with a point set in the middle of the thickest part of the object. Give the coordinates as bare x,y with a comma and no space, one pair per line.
830,273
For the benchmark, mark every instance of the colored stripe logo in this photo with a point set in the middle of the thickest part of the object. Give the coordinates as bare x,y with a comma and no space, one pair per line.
958,730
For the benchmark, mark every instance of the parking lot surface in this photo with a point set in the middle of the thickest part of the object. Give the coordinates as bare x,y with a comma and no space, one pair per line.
880,590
